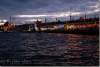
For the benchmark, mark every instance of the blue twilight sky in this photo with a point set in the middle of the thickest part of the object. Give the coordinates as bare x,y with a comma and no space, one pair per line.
46,8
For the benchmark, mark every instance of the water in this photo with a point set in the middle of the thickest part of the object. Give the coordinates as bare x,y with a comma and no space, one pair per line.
48,49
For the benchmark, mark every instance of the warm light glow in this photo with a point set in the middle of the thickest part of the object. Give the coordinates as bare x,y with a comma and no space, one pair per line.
1,23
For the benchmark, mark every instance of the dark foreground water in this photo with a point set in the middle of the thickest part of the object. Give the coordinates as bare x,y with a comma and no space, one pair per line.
48,49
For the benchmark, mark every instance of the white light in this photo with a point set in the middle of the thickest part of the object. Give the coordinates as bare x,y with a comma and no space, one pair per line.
76,13
3,20
97,10
32,20
30,16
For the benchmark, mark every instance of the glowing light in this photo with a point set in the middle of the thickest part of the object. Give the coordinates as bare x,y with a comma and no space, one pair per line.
30,15
97,10
95,6
3,20
1,23
76,13
32,20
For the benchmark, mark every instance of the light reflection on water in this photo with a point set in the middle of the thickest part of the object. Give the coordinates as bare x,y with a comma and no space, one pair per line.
48,49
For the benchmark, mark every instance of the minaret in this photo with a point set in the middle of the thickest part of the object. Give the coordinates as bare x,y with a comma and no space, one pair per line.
70,15
85,14
56,19
10,19
45,20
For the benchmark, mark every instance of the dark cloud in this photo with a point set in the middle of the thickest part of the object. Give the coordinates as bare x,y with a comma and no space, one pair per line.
13,7
23,1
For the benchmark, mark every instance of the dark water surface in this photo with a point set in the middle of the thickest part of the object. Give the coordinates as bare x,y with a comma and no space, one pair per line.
48,49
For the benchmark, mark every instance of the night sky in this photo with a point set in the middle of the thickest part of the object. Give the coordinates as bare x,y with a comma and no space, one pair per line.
46,8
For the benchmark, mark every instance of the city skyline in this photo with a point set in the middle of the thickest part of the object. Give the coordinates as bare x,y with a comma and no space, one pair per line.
46,8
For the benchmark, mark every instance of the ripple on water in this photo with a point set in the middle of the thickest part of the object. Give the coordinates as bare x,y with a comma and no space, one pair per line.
48,49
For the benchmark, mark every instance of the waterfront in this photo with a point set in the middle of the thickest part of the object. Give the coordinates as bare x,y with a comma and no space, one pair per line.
48,49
